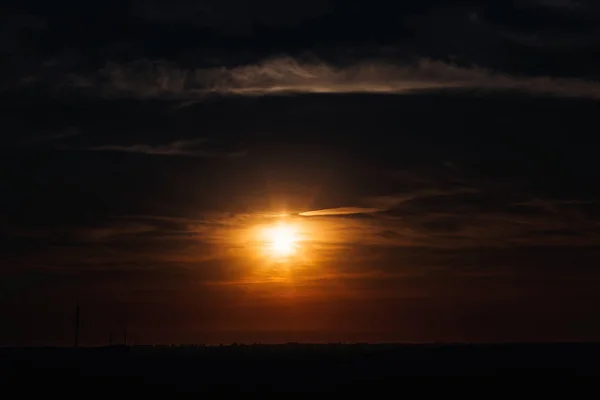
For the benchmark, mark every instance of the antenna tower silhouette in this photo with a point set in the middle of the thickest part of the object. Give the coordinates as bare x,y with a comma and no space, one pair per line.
77,325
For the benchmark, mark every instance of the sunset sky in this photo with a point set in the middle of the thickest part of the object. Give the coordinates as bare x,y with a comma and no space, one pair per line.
316,171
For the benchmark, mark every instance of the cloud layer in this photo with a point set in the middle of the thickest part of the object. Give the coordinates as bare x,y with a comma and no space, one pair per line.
288,75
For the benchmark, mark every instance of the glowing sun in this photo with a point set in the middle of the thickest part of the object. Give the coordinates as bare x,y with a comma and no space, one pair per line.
281,240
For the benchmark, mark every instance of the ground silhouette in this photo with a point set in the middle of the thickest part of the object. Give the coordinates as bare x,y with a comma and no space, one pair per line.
286,367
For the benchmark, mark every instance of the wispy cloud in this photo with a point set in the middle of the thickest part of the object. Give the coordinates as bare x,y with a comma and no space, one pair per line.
385,203
552,206
288,75
50,137
178,148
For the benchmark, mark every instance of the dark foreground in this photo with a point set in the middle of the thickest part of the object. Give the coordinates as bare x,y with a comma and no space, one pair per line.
291,367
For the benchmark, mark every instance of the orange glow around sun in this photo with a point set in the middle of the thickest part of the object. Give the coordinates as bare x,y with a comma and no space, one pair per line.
281,240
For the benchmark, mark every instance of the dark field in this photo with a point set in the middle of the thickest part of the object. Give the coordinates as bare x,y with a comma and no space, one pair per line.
291,367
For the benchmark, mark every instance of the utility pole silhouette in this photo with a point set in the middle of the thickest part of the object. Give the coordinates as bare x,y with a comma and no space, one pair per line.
110,338
125,336
77,325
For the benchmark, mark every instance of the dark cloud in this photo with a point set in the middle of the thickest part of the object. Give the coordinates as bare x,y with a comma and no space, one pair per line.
230,16
561,4
16,30
468,33
551,24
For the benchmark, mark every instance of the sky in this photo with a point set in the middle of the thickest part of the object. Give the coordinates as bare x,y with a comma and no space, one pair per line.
435,161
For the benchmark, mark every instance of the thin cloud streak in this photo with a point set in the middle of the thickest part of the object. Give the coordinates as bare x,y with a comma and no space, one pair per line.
50,137
340,211
560,4
178,148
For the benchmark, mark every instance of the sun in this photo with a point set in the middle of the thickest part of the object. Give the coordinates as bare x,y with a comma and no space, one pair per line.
281,240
